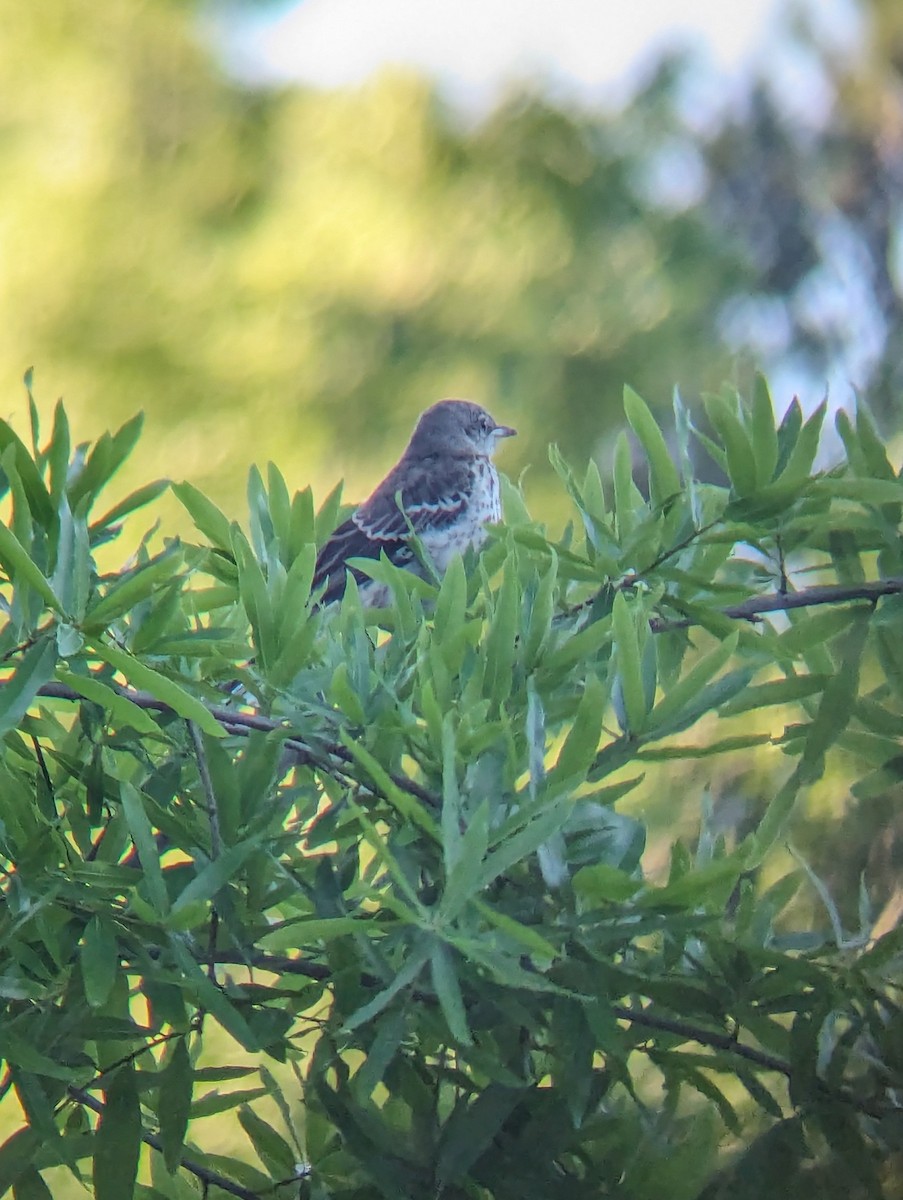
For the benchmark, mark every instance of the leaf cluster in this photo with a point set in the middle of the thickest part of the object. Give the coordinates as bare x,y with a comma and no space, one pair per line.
402,870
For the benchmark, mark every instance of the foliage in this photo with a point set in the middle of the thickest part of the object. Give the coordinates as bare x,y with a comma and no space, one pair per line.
405,877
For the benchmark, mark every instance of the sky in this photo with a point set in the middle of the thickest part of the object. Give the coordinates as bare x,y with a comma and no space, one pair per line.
592,51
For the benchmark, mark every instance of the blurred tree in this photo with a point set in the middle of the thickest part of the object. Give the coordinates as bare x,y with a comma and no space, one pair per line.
296,274
806,174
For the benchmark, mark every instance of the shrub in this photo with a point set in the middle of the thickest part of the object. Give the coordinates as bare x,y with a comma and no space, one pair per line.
406,878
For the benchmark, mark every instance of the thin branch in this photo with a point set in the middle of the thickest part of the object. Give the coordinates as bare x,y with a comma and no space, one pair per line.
711,1038
281,964
208,1178
241,724
832,593
704,1037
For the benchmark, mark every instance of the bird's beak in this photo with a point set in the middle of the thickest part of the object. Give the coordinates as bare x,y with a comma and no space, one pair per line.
501,431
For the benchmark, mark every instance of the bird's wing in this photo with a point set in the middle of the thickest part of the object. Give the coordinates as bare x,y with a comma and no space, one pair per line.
350,541
431,498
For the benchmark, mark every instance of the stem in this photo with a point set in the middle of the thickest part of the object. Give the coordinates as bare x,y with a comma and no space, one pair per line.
208,1178
832,593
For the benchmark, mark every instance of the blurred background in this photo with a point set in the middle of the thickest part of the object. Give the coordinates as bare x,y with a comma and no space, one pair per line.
282,230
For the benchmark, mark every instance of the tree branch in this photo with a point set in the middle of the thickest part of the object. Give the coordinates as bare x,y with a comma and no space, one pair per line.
728,1043
208,1178
241,724
832,593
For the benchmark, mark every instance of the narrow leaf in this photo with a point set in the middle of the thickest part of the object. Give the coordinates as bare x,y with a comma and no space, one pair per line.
117,1143
161,688
174,1103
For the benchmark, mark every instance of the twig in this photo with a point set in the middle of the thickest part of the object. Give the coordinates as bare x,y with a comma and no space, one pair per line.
704,1037
711,1038
242,724
283,964
832,593
208,1178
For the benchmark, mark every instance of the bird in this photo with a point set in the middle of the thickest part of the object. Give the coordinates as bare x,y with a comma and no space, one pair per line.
444,489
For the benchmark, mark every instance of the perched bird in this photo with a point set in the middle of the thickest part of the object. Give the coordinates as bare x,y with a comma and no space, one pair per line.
444,488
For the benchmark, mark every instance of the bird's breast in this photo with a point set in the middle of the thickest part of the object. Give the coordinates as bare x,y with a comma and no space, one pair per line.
469,527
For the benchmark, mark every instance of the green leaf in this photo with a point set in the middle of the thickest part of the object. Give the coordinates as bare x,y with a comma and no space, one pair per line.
21,570
664,481
255,598
58,453
502,637
837,702
628,501
403,978
213,1103
709,885
213,523
685,693
529,937
272,1149
741,464
764,434
780,691
16,1154
39,502
385,1045
131,589
142,496
217,873
774,821
71,579
629,671
117,1143
280,511
464,858
211,998
99,960
602,883
174,1103
30,1186
124,712
34,669
802,456
451,603
514,847
143,836
448,991
579,750
471,1129
21,1053
541,610
161,688
109,453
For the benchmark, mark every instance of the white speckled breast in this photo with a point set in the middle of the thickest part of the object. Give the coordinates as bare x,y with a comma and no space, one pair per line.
469,530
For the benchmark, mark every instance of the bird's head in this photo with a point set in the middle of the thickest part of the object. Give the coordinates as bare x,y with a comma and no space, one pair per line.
457,427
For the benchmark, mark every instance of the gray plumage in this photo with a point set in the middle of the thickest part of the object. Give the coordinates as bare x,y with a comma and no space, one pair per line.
449,490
